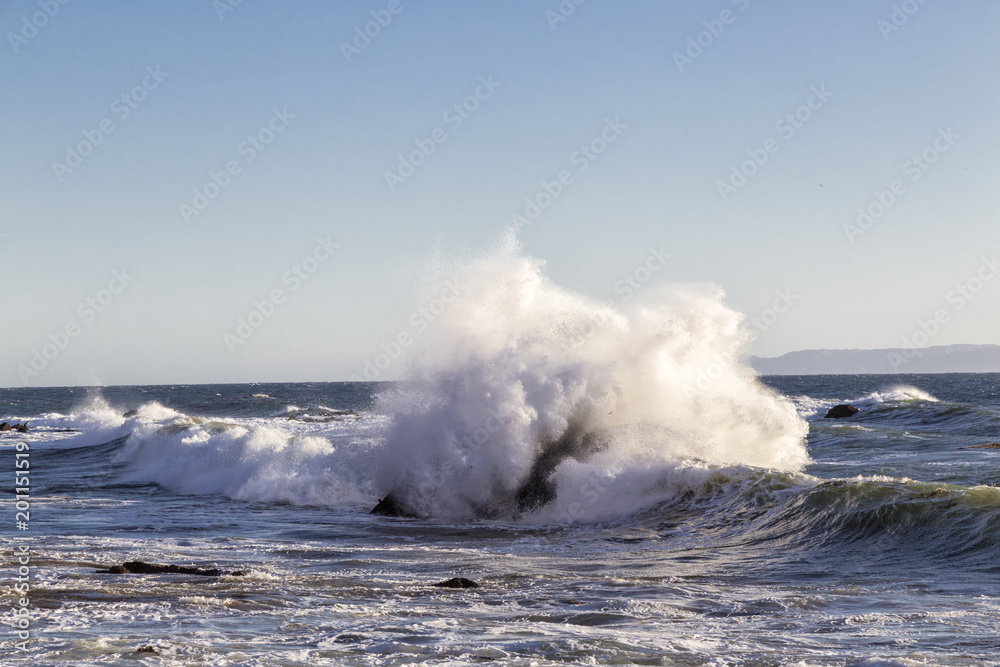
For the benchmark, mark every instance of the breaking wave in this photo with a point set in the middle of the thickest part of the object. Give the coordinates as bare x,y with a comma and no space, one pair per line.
524,395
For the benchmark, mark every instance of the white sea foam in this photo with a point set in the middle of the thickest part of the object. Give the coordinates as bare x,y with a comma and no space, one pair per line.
517,367
201,600
256,462
94,413
903,392
95,419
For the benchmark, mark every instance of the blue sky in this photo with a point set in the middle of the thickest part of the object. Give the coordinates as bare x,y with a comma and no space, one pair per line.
202,86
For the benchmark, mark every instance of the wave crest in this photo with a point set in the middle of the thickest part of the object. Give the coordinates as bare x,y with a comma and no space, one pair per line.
518,377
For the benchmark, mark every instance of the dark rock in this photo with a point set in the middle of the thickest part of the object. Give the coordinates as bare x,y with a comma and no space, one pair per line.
141,567
578,442
457,582
20,428
992,445
325,416
391,506
147,649
839,411
130,413
338,413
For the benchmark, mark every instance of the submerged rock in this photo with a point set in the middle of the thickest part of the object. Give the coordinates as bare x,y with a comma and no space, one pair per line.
391,506
457,582
325,416
538,489
839,411
147,649
141,567
577,442
20,428
992,445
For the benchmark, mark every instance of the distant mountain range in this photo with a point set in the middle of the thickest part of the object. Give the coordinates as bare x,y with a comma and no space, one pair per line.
936,359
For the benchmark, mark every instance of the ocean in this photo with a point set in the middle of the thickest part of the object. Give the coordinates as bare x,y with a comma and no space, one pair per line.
739,528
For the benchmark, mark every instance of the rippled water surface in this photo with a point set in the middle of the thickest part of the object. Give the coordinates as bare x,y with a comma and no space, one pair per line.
884,550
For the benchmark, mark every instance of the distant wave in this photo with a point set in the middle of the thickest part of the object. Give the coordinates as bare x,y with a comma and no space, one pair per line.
902,394
898,393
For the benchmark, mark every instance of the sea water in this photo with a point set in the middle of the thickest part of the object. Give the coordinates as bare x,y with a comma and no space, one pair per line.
621,486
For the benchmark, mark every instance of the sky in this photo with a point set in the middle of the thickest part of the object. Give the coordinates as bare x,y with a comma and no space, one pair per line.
169,169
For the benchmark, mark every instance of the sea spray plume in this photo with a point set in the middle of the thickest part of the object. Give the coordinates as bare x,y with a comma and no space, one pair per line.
514,381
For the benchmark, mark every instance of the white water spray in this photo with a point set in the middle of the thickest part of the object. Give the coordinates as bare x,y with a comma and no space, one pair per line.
521,389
